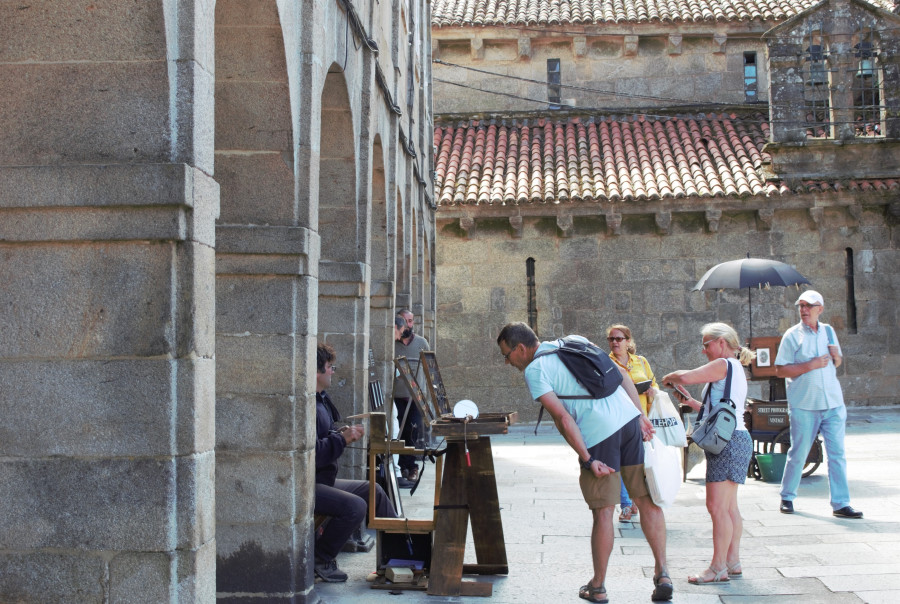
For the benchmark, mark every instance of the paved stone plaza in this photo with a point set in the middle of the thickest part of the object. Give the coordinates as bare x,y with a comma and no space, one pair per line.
808,557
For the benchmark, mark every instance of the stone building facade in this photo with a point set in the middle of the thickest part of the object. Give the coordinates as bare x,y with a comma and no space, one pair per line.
573,220
192,195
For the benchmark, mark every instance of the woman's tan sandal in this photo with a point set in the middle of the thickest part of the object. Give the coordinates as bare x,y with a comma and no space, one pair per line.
626,513
593,594
710,575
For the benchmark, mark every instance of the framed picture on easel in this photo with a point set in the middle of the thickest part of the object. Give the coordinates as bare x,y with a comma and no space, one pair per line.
415,392
435,383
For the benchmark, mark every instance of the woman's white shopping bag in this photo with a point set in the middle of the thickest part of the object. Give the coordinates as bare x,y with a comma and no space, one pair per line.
662,469
666,421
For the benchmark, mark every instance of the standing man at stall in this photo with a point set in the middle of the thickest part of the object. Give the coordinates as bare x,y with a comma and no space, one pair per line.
808,358
411,429
607,435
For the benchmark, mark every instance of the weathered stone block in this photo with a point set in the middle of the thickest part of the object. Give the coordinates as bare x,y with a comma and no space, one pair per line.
257,188
139,577
259,558
246,422
197,573
265,64
254,364
89,408
253,116
196,485
60,113
94,504
52,578
100,300
259,305
47,31
254,488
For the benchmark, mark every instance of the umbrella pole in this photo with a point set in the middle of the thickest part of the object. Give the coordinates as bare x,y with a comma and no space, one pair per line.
750,305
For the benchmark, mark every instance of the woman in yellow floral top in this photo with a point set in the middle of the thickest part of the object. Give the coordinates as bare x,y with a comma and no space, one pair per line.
622,351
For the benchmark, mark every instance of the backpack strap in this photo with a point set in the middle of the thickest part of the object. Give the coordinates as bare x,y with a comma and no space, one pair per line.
726,393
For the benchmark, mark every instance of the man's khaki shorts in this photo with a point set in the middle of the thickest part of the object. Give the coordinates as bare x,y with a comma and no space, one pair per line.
624,450
605,491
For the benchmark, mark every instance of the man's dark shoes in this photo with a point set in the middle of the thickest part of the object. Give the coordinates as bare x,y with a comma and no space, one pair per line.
413,474
404,483
847,512
329,571
787,507
662,592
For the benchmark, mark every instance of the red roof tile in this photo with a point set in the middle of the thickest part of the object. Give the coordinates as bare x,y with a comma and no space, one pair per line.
464,13
630,158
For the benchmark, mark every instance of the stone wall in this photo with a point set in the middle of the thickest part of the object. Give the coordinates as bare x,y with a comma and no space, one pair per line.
192,195
641,66
590,279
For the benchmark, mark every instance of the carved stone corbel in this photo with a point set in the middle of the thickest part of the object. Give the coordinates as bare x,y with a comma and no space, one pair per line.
712,220
467,223
516,223
613,223
579,45
675,44
524,47
817,214
663,222
766,215
565,224
631,46
477,49
719,41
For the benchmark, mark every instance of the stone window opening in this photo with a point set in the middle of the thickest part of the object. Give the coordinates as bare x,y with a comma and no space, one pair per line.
817,89
554,81
851,290
868,112
532,293
751,91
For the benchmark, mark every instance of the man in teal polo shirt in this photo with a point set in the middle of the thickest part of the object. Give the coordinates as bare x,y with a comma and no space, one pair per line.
808,358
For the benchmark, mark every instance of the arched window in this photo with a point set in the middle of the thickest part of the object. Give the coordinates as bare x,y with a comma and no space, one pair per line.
817,92
868,113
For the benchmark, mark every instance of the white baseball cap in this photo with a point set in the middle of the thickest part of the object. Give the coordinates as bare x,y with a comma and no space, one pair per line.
811,296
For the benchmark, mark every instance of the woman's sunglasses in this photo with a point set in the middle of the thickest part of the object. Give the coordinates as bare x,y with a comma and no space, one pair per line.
615,338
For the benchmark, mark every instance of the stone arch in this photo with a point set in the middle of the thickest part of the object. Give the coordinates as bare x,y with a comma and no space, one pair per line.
383,250
343,297
262,526
404,248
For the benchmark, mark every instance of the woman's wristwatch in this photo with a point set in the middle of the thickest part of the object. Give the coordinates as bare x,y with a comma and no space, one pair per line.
587,464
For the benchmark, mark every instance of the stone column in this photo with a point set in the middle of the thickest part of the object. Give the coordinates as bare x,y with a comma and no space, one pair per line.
106,259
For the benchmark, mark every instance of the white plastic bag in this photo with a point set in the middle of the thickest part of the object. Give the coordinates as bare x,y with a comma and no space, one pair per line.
662,470
666,421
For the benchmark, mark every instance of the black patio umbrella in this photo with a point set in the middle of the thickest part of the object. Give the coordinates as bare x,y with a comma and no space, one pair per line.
749,273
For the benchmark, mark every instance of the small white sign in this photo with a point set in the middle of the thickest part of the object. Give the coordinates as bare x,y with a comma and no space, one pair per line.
762,357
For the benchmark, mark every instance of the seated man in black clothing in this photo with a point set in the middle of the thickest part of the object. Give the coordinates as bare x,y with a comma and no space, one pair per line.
345,501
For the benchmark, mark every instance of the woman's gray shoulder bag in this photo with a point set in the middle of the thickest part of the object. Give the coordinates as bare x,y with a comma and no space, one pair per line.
713,432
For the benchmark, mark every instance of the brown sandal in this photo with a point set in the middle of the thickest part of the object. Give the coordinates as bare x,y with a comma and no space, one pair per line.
626,514
593,594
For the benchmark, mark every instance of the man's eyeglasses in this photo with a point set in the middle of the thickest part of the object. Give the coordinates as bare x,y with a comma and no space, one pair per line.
615,338
506,356
806,306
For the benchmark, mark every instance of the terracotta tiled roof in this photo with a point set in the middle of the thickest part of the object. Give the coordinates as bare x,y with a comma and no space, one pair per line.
634,158
457,13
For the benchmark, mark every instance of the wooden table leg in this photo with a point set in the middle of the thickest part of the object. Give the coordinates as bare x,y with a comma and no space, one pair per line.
484,511
450,527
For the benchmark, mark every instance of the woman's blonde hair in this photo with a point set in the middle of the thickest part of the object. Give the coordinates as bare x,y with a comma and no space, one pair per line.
630,347
722,330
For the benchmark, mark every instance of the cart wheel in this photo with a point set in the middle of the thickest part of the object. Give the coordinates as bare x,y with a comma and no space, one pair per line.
753,468
782,442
